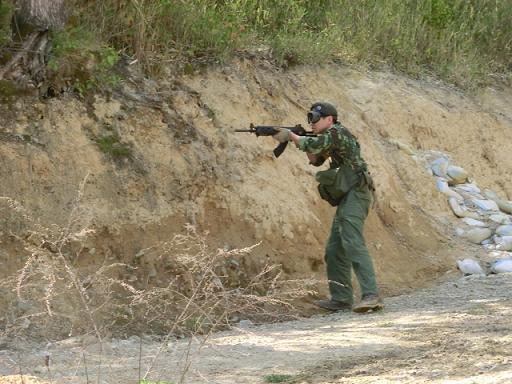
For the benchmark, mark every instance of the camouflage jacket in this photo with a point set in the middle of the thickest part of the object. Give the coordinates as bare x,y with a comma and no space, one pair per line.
336,143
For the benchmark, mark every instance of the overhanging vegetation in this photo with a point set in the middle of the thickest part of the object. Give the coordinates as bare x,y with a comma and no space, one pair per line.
465,42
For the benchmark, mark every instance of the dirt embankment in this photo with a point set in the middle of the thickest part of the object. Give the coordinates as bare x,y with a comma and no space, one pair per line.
178,161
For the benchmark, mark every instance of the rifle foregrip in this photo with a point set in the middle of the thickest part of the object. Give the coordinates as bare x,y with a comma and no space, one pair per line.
265,130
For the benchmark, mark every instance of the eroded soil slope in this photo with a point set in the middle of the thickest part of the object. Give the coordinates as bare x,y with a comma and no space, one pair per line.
172,158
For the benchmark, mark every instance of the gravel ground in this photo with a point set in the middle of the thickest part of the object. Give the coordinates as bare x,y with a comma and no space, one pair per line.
456,332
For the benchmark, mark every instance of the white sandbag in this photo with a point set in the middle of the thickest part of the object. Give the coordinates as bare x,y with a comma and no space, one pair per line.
504,230
442,186
498,254
440,167
503,205
502,266
470,267
460,210
474,223
467,195
500,218
503,243
486,205
457,174
469,187
457,209
477,235
490,194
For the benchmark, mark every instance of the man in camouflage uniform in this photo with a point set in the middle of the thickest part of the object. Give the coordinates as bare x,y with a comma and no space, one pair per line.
352,194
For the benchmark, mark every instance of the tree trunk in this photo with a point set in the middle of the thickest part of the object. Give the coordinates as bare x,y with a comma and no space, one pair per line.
33,19
41,15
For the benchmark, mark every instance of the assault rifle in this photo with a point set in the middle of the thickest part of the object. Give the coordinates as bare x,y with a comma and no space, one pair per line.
271,130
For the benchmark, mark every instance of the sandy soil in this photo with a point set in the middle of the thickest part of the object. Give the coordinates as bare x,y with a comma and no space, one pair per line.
456,332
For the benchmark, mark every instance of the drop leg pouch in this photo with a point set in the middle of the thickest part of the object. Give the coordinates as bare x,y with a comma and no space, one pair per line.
334,183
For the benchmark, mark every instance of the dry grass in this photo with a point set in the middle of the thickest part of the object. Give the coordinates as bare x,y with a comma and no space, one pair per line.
462,41
50,298
466,42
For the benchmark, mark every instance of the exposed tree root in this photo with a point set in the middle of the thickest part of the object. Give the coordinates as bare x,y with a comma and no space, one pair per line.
30,61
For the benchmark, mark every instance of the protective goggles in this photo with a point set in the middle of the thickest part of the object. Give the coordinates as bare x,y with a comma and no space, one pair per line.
314,116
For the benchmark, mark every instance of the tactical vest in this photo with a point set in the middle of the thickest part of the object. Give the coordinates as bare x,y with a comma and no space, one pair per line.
347,169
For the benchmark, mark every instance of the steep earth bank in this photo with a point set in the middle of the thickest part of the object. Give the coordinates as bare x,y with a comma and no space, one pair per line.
172,158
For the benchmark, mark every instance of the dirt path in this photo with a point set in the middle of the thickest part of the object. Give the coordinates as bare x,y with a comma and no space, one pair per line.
457,332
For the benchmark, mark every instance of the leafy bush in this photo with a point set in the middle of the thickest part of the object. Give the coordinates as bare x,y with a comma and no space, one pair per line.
6,11
81,60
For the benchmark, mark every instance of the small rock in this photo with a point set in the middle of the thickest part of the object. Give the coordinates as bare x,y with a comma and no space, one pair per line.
504,230
470,267
457,174
245,324
504,243
141,253
502,266
404,147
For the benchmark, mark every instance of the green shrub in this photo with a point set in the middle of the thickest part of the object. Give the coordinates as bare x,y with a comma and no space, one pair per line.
6,11
463,41
79,56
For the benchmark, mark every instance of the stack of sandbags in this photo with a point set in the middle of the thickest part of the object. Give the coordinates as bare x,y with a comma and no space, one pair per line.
486,218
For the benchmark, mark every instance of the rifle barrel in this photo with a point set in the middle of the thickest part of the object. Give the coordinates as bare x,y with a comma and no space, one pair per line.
268,130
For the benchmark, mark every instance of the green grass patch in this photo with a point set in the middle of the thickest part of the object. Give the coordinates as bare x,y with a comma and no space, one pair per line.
277,378
111,146
10,91
465,42
462,41
6,11
80,56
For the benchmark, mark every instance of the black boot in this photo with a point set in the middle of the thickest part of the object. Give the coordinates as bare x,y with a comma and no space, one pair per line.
333,305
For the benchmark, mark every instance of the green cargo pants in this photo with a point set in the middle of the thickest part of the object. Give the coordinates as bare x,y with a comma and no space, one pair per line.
346,248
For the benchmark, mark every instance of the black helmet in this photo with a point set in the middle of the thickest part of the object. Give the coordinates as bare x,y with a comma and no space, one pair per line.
321,109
